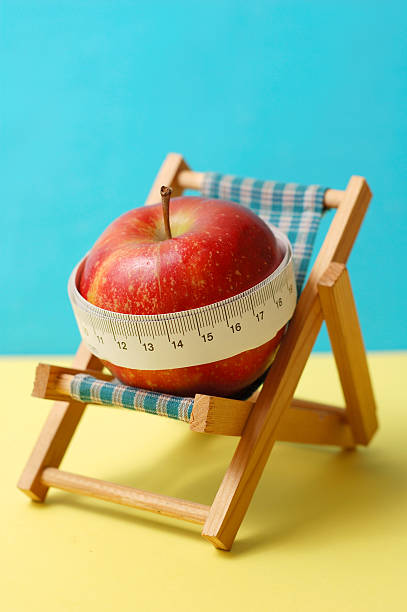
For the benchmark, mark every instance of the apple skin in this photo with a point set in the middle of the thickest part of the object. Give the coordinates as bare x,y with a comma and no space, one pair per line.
218,249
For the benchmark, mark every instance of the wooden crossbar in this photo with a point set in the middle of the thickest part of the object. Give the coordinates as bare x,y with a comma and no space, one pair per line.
126,496
304,421
188,179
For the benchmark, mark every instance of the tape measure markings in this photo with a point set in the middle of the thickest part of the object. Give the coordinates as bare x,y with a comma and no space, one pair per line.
191,337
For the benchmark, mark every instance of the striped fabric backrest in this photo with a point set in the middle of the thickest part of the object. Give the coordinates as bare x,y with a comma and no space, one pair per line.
294,209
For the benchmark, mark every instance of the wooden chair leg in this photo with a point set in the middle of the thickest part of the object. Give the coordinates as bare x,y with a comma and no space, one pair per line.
240,481
340,314
65,416
55,435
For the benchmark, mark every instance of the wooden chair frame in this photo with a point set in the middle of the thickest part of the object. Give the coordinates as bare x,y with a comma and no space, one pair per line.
273,415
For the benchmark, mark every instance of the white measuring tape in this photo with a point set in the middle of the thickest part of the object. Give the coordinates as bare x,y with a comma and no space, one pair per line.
190,337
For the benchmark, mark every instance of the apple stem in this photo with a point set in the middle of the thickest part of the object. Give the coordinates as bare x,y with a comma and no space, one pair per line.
165,201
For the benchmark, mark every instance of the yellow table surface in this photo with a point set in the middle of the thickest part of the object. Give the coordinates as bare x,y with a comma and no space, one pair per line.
326,530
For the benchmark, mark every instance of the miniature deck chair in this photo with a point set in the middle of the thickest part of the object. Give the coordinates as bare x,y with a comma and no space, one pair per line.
274,414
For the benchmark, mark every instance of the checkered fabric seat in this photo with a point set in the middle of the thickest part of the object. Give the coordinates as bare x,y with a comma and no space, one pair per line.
294,209
92,390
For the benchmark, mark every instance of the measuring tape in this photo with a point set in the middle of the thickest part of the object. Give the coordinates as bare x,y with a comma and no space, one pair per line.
190,337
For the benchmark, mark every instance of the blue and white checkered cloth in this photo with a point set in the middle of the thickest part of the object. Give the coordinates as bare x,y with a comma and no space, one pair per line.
93,391
295,209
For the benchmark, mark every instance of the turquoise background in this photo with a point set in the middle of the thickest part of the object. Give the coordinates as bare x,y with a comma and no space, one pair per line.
95,93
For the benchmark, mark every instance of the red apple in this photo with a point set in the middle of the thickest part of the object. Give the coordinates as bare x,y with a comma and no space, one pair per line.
217,250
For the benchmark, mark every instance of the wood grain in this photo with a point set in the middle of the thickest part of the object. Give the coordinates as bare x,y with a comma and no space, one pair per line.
218,415
65,416
126,496
340,314
53,382
56,434
240,481
304,421
168,175
274,415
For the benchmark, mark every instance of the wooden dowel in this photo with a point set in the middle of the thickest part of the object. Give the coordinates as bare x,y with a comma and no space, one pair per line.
333,198
188,179
126,496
